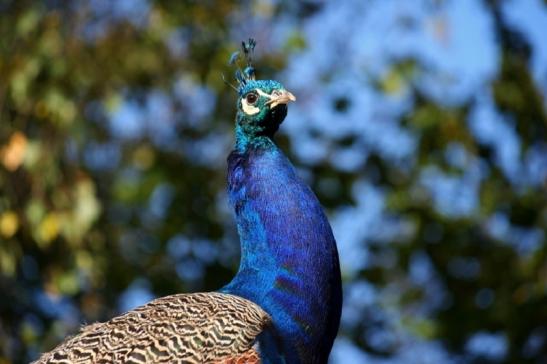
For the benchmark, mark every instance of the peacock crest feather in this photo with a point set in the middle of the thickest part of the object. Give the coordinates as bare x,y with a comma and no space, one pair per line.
243,76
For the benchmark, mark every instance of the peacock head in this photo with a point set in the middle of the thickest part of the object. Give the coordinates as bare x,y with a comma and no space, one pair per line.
262,106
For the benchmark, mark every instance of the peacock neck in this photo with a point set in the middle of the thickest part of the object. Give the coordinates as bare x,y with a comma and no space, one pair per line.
289,262
252,137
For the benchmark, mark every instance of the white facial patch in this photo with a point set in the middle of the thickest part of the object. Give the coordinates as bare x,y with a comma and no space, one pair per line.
249,109
262,93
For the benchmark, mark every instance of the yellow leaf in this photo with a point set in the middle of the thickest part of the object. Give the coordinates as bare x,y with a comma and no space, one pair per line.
22,80
33,154
9,254
112,102
67,283
27,22
9,223
392,83
28,332
86,208
13,153
41,110
84,260
144,157
59,107
48,229
35,211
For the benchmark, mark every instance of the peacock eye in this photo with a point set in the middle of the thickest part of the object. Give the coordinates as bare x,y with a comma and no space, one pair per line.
251,98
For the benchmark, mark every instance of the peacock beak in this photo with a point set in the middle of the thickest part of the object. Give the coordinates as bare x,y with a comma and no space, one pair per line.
280,97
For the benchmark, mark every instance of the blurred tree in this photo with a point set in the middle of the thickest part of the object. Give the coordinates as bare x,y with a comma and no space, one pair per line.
82,196
115,124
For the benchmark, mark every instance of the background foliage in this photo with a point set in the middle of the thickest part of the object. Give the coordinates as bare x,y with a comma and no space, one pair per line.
421,125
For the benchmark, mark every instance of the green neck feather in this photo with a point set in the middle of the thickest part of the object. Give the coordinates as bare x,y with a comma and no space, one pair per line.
247,139
258,131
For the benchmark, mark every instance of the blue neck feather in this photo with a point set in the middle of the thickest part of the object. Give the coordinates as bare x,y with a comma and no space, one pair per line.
289,262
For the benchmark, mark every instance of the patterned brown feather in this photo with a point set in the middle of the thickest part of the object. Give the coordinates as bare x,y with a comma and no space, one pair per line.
249,357
183,328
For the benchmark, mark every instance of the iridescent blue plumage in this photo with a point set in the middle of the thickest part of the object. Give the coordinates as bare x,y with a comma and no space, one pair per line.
289,264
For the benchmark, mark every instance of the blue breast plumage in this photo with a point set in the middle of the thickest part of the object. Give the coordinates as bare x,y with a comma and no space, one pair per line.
289,265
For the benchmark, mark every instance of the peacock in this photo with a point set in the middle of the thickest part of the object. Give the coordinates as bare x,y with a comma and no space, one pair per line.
284,303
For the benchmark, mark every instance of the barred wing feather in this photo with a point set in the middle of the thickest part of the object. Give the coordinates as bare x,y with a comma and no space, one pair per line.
182,328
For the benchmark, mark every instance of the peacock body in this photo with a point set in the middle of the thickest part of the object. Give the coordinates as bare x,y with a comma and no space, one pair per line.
283,305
